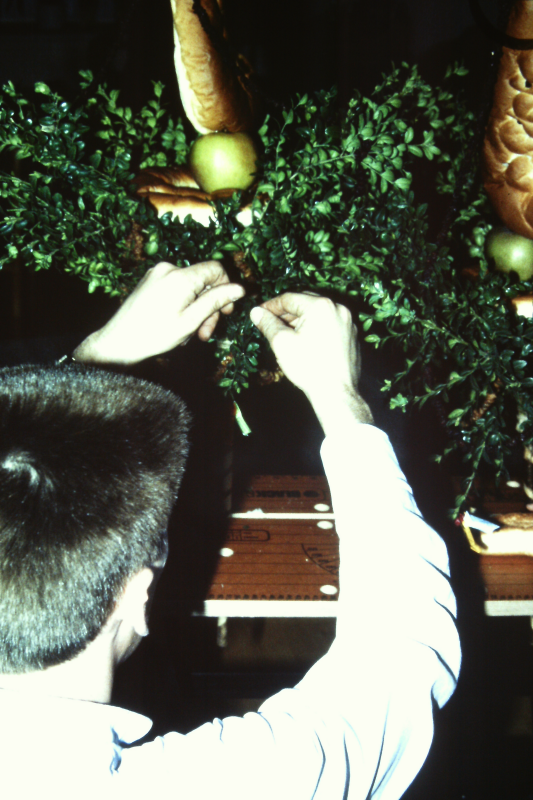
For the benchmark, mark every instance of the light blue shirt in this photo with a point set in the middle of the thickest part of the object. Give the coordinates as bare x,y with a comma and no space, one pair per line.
359,724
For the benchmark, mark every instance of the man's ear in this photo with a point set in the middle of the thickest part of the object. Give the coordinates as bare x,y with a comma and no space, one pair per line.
132,605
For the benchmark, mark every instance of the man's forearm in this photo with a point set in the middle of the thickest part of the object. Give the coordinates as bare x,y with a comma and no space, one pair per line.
338,410
394,567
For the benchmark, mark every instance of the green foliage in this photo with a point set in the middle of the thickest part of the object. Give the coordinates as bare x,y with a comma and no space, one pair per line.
67,199
338,209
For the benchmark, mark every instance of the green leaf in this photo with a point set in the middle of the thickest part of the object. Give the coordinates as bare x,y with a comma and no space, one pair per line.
288,117
456,414
399,401
403,184
151,248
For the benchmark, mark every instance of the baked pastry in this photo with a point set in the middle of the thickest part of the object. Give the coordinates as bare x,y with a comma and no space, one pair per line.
523,305
508,145
152,177
174,189
214,81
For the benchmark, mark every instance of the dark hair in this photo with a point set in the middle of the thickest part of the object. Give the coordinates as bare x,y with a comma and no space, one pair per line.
90,465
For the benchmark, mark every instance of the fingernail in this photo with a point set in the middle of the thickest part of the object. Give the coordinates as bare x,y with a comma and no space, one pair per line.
256,315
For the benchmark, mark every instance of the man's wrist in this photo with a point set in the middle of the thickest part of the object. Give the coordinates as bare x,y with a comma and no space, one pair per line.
85,353
90,351
336,410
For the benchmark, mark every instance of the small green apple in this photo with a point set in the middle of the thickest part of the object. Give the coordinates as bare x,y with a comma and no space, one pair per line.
223,161
510,252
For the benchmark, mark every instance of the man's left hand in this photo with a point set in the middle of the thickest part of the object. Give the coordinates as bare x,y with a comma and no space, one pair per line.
164,310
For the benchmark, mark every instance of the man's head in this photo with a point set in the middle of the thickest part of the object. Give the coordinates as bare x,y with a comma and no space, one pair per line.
90,465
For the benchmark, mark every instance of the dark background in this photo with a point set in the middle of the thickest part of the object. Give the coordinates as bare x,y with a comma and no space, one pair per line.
294,46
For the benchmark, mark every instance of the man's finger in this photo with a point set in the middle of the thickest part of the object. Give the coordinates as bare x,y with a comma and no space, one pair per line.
290,303
209,303
228,309
207,273
207,328
267,322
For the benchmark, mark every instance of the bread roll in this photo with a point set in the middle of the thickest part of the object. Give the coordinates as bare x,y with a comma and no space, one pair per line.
214,86
174,190
181,206
179,176
508,145
523,305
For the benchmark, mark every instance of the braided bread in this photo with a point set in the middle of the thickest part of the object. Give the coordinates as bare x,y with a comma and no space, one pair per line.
213,82
508,145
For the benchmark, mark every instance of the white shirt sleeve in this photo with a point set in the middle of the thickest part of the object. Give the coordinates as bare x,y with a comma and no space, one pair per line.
360,723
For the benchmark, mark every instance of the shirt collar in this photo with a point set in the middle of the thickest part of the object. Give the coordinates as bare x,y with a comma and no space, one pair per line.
84,717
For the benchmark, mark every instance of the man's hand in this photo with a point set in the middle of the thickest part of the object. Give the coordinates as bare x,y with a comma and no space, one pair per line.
163,311
315,343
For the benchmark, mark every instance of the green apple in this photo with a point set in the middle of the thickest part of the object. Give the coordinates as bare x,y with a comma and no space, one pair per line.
223,161
510,252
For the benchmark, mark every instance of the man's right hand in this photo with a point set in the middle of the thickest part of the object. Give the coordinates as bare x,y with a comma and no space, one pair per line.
315,343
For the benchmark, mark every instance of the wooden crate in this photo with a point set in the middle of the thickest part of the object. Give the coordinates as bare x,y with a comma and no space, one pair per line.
281,554
507,579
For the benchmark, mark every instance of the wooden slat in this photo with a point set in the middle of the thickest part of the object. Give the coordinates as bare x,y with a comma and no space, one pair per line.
282,493
507,577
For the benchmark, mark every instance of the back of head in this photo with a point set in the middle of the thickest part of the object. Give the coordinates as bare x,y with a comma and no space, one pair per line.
90,465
